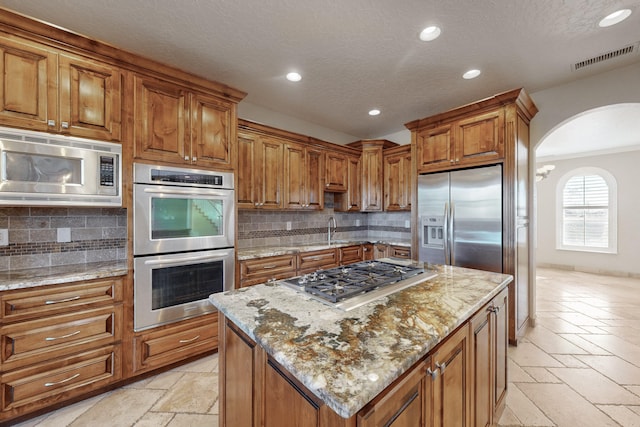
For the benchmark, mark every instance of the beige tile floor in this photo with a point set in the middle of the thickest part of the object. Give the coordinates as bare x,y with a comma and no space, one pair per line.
579,367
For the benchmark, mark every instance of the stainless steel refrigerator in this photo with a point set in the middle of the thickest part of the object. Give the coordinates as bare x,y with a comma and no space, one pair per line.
460,218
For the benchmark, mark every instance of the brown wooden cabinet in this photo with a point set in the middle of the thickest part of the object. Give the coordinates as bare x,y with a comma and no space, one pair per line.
337,172
397,251
475,140
259,171
494,130
175,124
351,254
489,342
260,270
372,175
162,346
397,179
350,201
304,172
309,262
367,251
48,90
58,342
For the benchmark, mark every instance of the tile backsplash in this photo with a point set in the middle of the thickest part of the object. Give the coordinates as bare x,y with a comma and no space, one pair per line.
257,228
96,234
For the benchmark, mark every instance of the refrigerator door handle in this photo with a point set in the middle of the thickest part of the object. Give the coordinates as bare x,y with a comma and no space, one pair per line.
452,218
446,234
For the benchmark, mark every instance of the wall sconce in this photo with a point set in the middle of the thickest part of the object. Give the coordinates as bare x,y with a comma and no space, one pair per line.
543,172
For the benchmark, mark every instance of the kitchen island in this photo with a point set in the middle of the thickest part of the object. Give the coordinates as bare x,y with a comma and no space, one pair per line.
419,356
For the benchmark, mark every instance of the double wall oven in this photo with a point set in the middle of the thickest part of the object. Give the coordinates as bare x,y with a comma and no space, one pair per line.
183,242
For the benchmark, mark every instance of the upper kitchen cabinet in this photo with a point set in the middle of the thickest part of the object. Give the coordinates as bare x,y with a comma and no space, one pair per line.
304,172
177,125
337,172
468,141
350,201
259,171
372,172
494,130
397,179
49,90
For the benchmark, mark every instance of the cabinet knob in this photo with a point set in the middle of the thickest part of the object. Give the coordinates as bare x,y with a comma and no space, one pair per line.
452,160
195,159
51,123
457,160
64,125
441,367
186,158
432,373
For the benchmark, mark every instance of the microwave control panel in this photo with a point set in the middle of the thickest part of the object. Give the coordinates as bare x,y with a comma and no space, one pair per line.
107,171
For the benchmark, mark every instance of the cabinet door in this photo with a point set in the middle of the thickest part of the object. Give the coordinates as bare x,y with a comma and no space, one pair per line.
352,199
397,182
480,139
367,252
317,260
294,171
482,366
213,129
270,170
260,270
403,405
337,172
314,179
161,121
28,91
351,254
372,179
90,98
247,172
500,343
434,149
451,396
399,251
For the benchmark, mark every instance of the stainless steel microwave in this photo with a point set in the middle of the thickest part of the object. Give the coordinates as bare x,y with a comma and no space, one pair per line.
41,169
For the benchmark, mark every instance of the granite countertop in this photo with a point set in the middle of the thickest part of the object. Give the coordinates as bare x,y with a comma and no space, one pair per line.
266,251
41,276
347,358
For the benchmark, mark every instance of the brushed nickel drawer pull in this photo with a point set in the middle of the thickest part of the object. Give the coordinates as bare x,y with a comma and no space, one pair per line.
58,301
62,381
270,266
188,341
62,337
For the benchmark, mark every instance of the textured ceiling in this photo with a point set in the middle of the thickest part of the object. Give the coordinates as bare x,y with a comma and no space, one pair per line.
355,55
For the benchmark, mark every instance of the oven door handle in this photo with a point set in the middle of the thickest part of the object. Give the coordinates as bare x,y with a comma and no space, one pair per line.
217,256
187,192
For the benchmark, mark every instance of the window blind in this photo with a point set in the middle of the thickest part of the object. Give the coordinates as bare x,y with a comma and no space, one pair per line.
585,212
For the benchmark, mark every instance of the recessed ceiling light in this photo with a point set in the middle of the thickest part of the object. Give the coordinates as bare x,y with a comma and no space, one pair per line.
430,33
294,77
471,74
374,112
615,18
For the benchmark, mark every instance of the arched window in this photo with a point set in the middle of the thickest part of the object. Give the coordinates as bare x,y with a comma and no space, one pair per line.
587,211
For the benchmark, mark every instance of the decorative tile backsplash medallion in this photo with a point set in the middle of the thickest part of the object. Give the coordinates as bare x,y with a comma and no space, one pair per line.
43,237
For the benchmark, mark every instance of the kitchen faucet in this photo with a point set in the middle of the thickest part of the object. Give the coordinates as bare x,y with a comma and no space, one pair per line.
332,220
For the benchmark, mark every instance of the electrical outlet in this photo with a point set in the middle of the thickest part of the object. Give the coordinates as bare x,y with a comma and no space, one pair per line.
64,235
407,224
357,223
288,225
4,237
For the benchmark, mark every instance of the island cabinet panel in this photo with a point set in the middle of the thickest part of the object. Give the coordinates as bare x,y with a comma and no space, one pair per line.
404,404
489,341
47,90
450,388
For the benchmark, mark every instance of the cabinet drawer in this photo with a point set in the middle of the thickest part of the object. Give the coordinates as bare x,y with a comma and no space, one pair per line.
350,254
312,261
51,300
400,252
189,338
259,270
38,340
50,382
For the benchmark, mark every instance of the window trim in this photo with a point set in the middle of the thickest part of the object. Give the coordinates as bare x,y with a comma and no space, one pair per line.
613,210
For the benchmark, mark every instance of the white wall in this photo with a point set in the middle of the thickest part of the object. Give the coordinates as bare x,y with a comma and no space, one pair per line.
625,167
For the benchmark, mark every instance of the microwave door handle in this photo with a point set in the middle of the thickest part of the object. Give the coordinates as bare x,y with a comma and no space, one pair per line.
189,192
187,258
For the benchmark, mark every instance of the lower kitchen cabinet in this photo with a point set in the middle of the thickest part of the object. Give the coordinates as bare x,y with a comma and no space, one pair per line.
489,342
308,262
176,342
58,343
260,270
351,254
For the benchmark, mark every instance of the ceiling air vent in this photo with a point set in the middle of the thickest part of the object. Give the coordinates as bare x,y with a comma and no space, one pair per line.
606,56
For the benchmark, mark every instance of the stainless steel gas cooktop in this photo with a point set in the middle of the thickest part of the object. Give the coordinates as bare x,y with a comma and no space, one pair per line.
353,285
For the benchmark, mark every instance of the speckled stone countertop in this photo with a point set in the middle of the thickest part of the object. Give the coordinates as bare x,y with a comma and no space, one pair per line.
32,277
266,251
347,358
